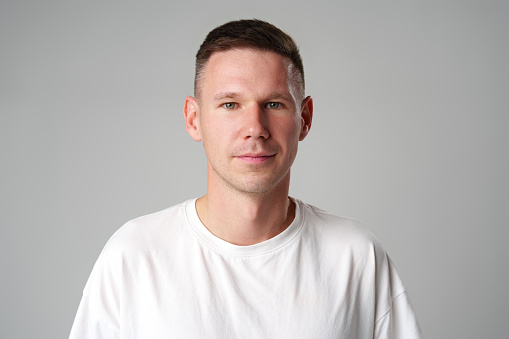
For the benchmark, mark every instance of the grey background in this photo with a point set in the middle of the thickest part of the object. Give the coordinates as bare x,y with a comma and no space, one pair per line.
409,137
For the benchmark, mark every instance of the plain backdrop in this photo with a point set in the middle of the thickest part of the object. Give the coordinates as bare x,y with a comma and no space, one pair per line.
409,137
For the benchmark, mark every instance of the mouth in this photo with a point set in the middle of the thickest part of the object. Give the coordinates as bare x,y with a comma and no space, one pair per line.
256,158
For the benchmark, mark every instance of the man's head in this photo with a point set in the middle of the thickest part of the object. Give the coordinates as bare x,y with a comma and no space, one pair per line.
255,34
249,111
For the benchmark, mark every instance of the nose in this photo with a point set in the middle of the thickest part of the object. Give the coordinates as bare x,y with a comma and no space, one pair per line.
255,123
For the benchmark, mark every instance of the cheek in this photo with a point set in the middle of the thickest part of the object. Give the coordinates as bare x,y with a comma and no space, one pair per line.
211,128
290,130
216,135
221,123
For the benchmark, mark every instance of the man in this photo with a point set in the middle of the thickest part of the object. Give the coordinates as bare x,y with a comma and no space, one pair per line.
245,260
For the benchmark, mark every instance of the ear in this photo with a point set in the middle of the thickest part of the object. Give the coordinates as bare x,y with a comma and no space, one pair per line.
191,110
306,117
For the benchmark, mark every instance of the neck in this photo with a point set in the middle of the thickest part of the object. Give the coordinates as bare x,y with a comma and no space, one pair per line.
246,218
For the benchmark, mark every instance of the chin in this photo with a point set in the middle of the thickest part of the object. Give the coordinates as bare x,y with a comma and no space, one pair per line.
251,183
257,185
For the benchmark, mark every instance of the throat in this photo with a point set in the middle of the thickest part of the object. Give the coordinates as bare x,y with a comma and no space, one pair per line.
244,224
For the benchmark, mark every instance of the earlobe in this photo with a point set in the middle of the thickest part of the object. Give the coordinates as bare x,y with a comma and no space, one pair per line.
306,117
191,109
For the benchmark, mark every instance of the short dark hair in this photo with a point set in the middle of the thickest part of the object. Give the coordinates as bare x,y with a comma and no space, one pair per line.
252,33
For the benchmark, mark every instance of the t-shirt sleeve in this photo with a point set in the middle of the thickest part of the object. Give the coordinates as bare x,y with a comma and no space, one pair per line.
398,320
98,312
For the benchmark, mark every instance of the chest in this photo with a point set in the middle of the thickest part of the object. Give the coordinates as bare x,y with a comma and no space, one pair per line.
200,294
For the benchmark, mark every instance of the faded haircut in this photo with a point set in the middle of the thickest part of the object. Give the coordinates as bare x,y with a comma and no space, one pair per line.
256,34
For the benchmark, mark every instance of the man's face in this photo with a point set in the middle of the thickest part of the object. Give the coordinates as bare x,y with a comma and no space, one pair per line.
250,117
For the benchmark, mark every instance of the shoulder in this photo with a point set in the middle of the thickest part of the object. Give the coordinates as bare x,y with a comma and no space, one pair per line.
136,243
346,244
337,230
147,231
343,242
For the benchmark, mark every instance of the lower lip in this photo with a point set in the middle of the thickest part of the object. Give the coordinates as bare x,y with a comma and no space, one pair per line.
256,160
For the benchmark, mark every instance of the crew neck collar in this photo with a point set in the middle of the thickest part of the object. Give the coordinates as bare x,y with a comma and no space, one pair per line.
264,247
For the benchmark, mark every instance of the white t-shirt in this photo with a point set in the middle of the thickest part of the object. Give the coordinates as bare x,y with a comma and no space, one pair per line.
165,275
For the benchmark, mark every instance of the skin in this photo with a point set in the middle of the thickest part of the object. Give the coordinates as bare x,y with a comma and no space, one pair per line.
250,117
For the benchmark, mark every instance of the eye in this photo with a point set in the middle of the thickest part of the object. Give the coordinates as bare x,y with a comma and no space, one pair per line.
274,105
230,105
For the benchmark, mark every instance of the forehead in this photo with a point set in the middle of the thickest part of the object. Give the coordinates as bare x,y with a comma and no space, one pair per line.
248,69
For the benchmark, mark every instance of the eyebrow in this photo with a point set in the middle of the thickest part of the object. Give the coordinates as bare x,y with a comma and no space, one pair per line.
232,95
285,96
226,95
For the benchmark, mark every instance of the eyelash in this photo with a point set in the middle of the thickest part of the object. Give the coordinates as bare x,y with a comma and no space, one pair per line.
267,105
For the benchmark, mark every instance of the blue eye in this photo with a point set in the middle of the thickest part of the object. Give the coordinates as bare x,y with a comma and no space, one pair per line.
274,105
230,105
